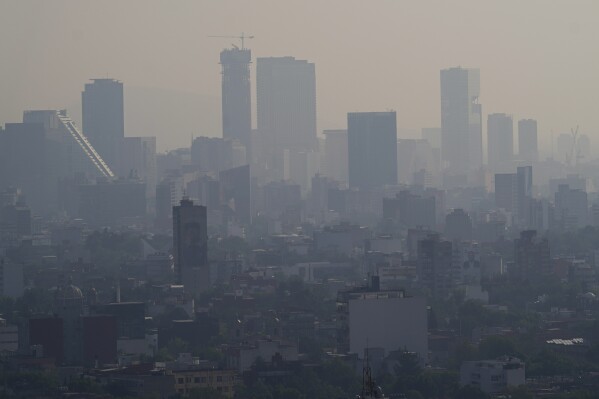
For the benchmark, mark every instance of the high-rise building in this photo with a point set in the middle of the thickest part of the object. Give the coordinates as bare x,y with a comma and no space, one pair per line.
286,107
434,259
461,120
235,188
190,240
525,211
236,96
527,140
372,149
513,192
571,208
500,141
335,149
104,116
506,191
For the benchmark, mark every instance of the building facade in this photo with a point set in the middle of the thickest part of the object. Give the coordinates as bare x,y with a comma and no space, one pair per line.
104,116
461,121
372,149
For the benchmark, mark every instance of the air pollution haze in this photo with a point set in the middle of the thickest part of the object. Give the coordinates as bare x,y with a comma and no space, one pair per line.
298,199
538,59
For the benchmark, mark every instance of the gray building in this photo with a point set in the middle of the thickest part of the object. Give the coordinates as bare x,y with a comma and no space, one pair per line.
461,121
236,96
527,140
190,244
335,149
372,149
286,108
104,116
500,141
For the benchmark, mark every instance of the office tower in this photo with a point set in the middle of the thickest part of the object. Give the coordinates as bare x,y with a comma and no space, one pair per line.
434,259
236,97
286,107
103,116
235,188
190,240
506,191
500,141
513,192
335,149
372,149
571,208
524,195
527,140
461,121
23,164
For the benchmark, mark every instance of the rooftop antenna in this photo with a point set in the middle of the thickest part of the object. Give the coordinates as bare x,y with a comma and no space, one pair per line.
242,37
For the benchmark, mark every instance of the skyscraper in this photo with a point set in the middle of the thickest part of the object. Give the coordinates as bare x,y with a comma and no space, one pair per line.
372,149
104,116
527,140
335,149
461,123
500,141
286,106
190,240
236,97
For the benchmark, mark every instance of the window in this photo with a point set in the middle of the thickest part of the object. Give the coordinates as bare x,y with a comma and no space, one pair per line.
187,379
196,380
180,380
219,378
203,380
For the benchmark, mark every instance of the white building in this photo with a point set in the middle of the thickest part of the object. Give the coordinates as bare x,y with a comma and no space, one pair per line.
493,376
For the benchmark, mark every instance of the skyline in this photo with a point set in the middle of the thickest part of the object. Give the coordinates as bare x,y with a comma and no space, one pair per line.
179,57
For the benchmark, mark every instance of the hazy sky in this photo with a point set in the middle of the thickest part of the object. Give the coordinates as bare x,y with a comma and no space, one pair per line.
538,59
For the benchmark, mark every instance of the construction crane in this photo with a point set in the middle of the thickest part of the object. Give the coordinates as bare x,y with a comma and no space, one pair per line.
242,38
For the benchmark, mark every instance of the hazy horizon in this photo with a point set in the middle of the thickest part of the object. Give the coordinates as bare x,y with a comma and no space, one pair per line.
537,59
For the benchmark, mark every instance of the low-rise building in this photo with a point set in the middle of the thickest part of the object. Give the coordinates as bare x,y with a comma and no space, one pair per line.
493,376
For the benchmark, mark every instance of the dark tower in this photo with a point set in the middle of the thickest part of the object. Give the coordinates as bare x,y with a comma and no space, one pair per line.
190,239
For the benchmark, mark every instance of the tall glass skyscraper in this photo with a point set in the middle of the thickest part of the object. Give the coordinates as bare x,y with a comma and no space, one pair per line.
104,116
461,121
236,95
286,102
500,142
